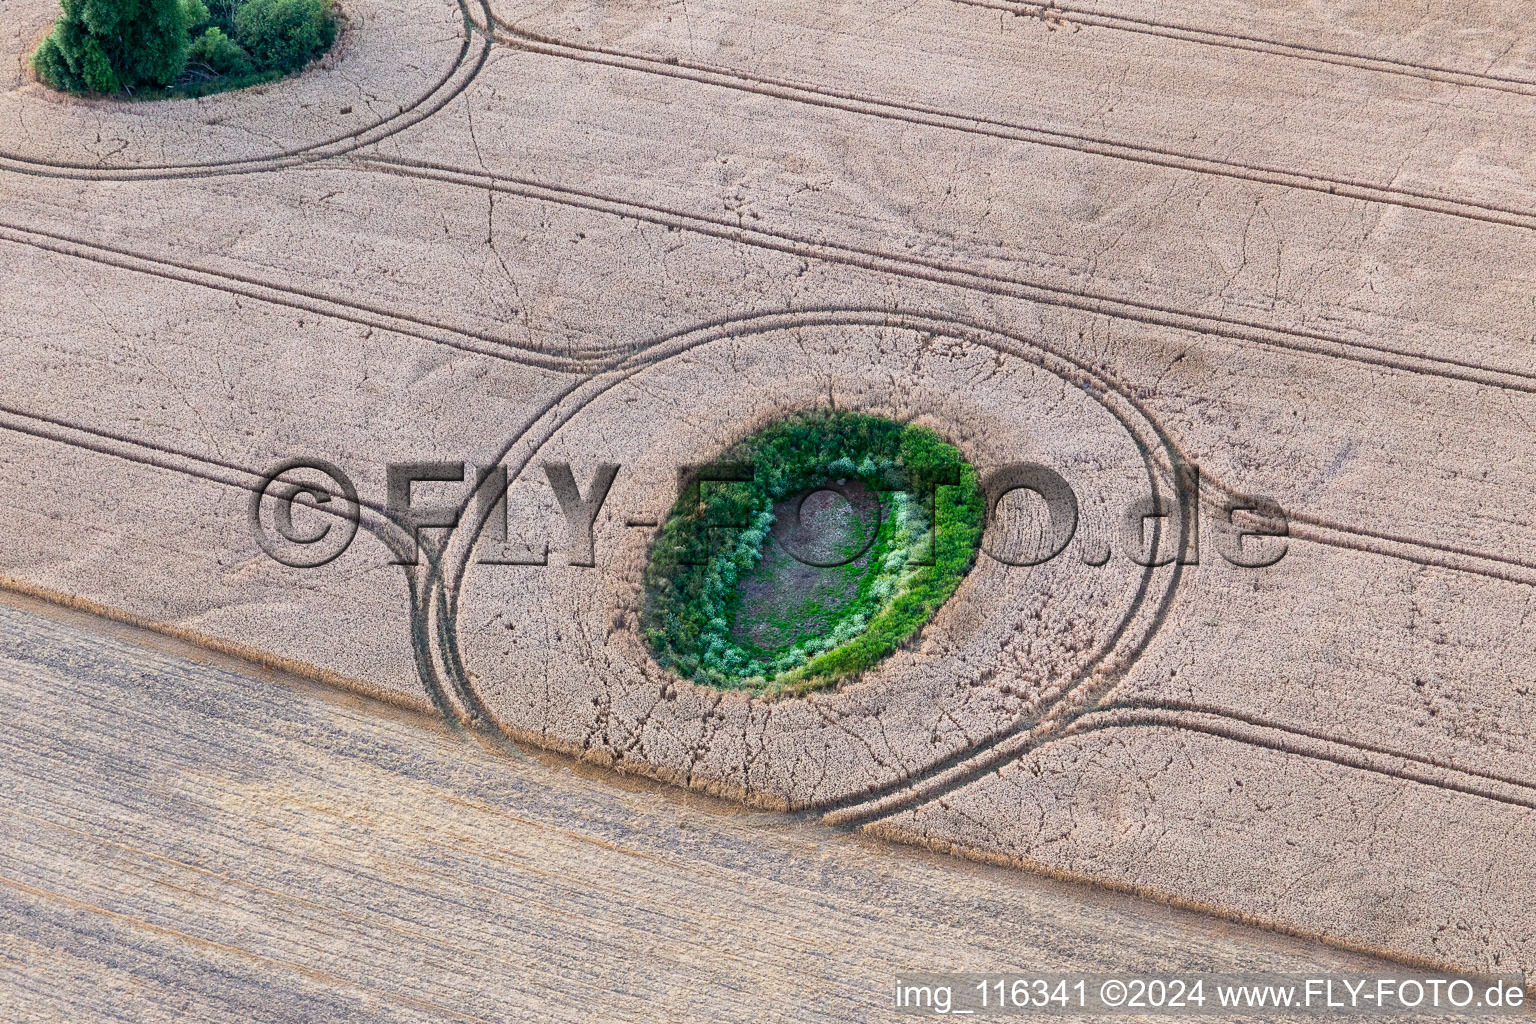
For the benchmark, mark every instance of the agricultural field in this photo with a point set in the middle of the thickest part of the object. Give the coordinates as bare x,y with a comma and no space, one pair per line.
1090,439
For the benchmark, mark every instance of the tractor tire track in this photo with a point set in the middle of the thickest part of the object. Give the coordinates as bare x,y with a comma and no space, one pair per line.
310,301
1052,13
379,521
460,73
935,117
1081,697
988,282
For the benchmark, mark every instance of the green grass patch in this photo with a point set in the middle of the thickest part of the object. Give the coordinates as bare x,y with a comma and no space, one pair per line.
737,597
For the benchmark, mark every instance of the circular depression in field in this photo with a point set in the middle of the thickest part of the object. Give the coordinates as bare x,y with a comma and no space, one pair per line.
556,652
809,551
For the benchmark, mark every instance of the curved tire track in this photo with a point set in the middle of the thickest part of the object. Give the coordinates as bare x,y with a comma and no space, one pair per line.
434,601
595,360
1102,672
971,124
460,73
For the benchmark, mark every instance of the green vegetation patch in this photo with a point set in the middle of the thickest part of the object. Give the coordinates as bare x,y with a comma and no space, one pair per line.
178,48
835,538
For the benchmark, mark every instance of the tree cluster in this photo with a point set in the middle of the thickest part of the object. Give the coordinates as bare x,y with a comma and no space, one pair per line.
113,47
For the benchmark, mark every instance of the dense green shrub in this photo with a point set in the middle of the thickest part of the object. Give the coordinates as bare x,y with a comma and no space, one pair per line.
220,54
915,562
111,46
284,35
180,47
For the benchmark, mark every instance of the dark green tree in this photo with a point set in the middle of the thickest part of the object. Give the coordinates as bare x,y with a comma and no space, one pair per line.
109,46
219,54
284,35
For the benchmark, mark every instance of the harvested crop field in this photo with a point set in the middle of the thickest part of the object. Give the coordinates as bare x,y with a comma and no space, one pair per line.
524,249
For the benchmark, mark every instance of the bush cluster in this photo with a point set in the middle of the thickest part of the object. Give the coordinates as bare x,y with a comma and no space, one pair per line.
691,579
180,46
